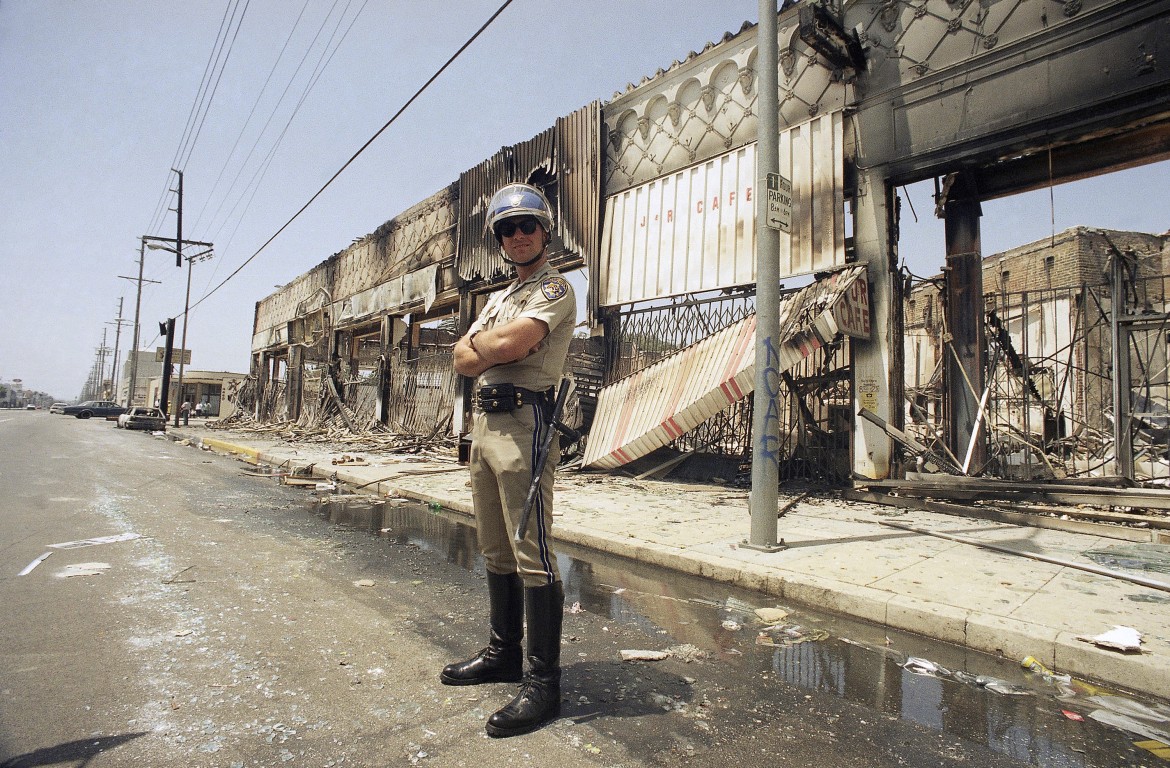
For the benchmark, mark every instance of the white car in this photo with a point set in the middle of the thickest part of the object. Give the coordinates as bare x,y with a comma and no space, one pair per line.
141,417
57,407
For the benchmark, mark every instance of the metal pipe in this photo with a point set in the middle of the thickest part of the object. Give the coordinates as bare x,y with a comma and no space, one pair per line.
1160,585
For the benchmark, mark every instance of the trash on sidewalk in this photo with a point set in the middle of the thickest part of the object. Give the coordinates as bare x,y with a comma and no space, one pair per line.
1035,665
925,667
685,653
1156,748
97,540
640,655
364,583
1152,722
785,636
269,473
83,569
771,615
28,568
299,481
354,461
1124,639
993,684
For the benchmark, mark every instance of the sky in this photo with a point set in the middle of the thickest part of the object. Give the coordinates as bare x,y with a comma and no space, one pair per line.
100,99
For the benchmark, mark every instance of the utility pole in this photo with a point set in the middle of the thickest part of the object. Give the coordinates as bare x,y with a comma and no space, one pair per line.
179,223
133,388
114,377
101,367
167,329
179,263
138,306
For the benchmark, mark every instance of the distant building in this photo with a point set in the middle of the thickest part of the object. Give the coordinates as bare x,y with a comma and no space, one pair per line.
148,368
207,387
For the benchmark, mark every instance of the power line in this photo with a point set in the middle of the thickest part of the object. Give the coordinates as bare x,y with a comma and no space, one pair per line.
218,78
196,106
257,174
251,114
362,149
314,78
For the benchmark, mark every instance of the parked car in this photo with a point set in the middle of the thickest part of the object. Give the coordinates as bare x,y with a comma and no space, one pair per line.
30,407
104,408
57,407
141,417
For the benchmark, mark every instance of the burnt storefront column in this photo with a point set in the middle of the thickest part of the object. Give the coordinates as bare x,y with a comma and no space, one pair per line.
964,342
877,379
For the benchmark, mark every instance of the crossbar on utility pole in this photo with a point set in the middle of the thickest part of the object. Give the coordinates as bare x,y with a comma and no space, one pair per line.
765,416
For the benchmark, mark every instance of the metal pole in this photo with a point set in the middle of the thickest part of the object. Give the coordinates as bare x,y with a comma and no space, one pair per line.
1119,351
765,403
965,315
187,302
133,388
117,345
179,225
183,343
101,384
137,312
168,330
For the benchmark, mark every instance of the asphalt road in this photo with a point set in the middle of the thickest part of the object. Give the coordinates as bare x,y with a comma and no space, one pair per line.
241,628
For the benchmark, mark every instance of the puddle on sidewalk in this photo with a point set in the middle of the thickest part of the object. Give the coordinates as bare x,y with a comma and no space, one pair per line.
1033,716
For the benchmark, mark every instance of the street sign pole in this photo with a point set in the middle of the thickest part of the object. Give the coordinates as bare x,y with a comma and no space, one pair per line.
765,405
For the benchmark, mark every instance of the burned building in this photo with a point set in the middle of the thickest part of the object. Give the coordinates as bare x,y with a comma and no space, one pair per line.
656,193
1048,397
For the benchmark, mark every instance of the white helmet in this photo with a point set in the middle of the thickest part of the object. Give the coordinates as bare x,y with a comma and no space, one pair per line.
513,200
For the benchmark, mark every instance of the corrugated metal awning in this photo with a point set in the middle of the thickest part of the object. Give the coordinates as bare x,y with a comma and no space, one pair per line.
562,162
648,409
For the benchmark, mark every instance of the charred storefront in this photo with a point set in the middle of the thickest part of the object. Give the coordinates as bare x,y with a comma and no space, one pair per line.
656,194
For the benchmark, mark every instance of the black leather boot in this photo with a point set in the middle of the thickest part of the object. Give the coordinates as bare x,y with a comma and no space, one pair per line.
502,661
539,699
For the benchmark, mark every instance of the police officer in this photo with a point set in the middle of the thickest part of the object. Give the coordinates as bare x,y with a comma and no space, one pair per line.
517,349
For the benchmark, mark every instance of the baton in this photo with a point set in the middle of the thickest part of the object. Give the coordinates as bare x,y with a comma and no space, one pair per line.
546,437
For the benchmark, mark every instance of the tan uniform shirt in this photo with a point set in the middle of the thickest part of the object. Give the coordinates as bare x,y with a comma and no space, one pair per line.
545,296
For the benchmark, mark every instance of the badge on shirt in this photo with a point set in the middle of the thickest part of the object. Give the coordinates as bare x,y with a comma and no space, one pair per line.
554,287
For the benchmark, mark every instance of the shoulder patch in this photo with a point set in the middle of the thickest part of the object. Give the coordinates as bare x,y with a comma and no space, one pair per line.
554,287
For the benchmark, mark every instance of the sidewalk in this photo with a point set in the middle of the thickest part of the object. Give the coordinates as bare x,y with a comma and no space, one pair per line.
853,558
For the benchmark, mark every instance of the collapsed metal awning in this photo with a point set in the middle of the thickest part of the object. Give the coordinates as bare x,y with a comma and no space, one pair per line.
646,410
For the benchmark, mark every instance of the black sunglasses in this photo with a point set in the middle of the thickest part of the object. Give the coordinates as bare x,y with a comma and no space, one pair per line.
508,227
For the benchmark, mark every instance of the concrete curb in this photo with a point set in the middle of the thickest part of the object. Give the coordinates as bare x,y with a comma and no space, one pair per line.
998,635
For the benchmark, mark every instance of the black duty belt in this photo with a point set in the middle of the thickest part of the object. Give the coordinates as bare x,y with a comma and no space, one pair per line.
494,398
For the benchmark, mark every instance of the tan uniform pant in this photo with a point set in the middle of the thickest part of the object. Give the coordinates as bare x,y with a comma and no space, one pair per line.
504,449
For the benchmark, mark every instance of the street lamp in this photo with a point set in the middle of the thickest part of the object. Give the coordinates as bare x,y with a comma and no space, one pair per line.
206,254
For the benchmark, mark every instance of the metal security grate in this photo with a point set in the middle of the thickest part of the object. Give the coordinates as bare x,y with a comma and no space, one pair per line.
422,394
1050,411
815,414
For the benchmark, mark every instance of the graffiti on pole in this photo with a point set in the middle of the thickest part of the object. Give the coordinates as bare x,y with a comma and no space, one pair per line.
769,448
